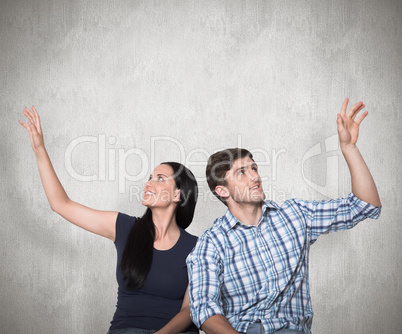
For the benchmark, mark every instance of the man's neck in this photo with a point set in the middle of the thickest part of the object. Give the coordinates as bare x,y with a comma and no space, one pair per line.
246,213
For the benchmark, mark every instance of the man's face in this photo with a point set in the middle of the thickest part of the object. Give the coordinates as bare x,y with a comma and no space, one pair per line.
243,183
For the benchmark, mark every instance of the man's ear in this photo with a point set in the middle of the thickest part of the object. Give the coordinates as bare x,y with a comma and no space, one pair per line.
177,196
222,191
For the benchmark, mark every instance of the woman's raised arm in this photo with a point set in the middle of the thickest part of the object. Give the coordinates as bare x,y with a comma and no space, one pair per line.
95,221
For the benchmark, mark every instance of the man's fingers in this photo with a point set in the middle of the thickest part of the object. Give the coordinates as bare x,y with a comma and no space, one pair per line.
339,121
344,107
355,109
361,117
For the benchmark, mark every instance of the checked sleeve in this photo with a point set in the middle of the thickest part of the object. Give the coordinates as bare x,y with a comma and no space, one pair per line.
335,215
205,270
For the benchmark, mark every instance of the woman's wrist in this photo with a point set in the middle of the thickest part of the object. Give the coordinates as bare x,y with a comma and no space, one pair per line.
40,152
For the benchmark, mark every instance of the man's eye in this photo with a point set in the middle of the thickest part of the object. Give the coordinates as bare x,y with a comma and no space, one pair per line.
160,178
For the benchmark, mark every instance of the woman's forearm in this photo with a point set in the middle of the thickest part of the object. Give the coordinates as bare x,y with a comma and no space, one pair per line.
179,323
55,193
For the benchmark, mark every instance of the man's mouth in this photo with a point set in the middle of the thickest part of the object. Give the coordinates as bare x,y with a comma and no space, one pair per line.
256,186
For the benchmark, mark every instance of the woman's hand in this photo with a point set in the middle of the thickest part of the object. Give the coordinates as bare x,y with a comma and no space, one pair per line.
181,321
34,129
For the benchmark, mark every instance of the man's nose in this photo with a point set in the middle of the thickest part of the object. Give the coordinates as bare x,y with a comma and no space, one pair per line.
253,175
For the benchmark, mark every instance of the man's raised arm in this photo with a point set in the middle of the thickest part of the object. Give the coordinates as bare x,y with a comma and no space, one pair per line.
363,185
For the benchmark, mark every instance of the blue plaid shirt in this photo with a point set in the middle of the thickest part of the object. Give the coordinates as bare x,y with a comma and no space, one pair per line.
261,272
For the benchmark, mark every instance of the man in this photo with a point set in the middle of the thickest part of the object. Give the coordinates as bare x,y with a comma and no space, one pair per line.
249,272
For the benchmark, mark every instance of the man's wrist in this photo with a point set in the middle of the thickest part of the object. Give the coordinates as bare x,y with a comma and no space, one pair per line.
348,148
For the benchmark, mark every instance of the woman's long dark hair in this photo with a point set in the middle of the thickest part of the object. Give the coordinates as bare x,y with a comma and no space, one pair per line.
137,255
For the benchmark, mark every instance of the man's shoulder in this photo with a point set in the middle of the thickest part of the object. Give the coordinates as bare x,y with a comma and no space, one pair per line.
215,229
272,206
214,235
292,202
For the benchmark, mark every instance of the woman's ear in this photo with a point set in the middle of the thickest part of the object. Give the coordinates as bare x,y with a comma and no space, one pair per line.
176,196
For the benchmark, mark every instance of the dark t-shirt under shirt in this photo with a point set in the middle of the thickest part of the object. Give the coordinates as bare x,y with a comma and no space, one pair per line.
154,305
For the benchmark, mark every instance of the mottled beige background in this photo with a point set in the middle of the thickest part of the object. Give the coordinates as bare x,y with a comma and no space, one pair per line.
122,85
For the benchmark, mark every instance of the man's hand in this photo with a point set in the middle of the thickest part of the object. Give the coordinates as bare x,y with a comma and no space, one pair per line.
348,127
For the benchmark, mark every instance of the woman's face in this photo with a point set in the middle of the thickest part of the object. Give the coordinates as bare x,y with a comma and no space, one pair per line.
160,191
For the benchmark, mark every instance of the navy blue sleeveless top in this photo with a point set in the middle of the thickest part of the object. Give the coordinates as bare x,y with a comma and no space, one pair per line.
154,305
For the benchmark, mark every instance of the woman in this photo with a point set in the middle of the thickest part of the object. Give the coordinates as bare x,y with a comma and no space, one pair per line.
151,271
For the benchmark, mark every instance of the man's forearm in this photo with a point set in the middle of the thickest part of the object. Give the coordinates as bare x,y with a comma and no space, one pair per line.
217,324
363,185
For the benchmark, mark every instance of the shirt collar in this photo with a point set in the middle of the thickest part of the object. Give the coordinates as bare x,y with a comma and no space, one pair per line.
229,221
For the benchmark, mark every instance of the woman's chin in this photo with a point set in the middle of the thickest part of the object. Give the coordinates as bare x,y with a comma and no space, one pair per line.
150,203
146,202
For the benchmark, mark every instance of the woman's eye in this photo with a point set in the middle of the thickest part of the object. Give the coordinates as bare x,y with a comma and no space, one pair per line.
160,178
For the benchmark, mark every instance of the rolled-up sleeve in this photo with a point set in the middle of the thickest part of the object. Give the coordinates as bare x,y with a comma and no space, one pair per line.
335,215
205,272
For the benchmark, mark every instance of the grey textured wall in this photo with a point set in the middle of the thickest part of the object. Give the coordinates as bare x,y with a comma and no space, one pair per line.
122,85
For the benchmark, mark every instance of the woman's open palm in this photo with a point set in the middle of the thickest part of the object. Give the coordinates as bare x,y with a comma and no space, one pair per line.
34,128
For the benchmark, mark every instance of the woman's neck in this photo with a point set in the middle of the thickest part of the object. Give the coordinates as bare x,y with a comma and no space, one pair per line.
167,231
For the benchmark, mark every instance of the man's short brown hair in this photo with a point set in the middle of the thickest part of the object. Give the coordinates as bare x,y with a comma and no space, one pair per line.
220,163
